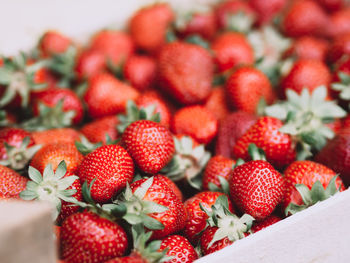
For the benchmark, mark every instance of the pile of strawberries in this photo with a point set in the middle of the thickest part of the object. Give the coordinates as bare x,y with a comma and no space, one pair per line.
184,133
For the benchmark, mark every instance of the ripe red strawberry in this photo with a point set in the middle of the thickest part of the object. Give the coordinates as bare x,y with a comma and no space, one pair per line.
304,17
172,186
217,104
152,97
307,173
140,71
54,153
196,221
53,42
112,167
308,74
107,95
150,144
268,221
230,130
202,128
97,130
232,49
340,47
332,5
265,134
89,63
51,97
148,26
246,87
256,188
117,46
87,237
157,191
185,72
11,183
309,47
266,11
179,248
62,135
218,166
339,23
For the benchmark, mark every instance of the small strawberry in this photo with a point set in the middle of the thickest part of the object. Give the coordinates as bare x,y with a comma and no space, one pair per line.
97,130
185,72
267,11
11,183
232,49
341,84
59,187
54,153
304,17
246,87
53,42
107,95
112,167
268,221
340,47
256,188
230,130
88,237
62,135
148,26
179,249
217,103
149,144
339,23
140,71
196,221
89,63
217,172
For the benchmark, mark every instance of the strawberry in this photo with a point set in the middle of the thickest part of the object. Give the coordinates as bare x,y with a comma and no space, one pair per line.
332,5
148,26
340,47
53,42
230,130
87,237
17,147
256,188
224,227
203,128
307,173
304,17
179,248
106,95
62,135
51,97
335,155
217,103
185,72
97,130
246,87
306,73
267,11
232,49
89,63
117,46
339,23
54,153
11,183
172,186
216,172
278,146
59,187
140,71
112,167
149,144
196,221
268,221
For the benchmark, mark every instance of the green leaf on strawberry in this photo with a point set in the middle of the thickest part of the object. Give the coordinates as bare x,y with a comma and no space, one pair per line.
343,86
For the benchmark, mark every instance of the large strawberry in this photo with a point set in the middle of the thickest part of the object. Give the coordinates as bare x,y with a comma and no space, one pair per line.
112,167
150,144
185,72
148,26
88,237
11,183
246,87
106,95
256,188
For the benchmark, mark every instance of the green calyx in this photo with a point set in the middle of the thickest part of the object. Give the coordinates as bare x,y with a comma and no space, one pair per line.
51,186
313,196
305,116
224,186
229,225
85,147
197,40
18,79
343,86
134,113
188,162
3,119
256,153
50,118
240,22
19,157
